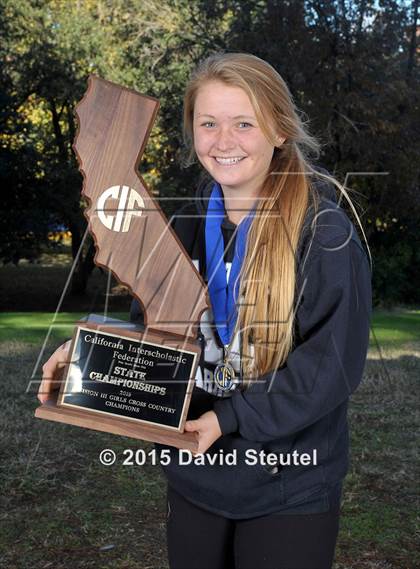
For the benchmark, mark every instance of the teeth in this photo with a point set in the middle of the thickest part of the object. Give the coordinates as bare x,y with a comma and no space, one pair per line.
229,160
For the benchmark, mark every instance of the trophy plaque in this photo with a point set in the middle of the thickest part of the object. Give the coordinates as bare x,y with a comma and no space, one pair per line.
122,378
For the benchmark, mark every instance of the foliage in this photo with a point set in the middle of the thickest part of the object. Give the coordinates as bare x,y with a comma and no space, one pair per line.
396,273
350,65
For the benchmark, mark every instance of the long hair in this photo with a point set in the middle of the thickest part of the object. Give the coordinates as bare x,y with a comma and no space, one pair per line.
267,292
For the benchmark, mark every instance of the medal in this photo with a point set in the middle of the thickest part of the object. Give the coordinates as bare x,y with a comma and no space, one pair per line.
224,375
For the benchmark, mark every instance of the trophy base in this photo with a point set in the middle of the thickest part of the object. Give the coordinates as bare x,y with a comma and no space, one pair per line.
52,412
124,380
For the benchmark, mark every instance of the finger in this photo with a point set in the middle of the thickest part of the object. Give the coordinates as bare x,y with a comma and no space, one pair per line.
191,426
43,393
52,372
47,387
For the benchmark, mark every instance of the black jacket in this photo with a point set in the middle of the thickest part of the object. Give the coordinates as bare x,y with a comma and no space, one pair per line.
303,405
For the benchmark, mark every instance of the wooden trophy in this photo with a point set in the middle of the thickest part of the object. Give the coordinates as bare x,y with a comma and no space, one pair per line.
123,378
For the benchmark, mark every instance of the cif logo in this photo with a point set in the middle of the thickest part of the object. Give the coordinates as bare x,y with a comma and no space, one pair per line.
128,201
224,376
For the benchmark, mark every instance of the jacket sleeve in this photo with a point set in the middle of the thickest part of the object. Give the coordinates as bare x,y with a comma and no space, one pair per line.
319,374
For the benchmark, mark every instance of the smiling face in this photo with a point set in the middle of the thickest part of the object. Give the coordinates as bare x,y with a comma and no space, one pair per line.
228,140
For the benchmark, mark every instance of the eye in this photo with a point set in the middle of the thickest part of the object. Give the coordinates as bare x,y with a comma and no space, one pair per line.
247,124
207,123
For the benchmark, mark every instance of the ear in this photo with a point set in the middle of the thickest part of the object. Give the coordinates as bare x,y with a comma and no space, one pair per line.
280,140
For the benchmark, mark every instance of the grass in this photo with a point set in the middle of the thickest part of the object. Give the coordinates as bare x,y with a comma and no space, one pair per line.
60,509
380,492
396,328
35,327
388,329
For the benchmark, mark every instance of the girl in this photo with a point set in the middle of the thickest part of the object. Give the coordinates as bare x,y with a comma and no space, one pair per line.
285,341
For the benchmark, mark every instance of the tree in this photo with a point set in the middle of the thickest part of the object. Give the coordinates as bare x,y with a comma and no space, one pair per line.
50,47
350,65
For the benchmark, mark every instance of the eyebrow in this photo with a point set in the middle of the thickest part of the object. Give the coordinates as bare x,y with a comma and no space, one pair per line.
237,117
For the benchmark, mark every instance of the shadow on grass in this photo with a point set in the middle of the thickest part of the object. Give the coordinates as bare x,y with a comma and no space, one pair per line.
39,287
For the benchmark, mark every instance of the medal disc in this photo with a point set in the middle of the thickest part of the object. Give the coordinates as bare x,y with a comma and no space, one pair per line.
224,376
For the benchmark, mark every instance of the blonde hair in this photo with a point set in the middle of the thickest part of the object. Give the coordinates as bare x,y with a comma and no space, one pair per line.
268,275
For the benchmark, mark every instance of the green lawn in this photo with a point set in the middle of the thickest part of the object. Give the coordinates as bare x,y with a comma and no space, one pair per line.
388,328
34,327
60,509
396,328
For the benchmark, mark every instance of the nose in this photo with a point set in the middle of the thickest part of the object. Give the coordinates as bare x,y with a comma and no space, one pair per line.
225,140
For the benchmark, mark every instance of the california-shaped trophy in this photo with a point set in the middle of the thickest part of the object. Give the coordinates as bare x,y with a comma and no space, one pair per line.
122,378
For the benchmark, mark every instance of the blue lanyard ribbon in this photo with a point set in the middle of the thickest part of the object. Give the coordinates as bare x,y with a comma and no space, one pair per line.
222,291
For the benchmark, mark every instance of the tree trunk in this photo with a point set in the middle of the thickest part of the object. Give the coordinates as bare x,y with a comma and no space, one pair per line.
84,264
83,271
413,41
59,138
